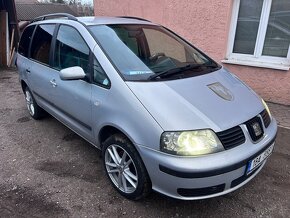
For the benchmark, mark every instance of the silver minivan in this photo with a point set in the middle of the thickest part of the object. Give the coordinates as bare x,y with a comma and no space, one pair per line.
165,116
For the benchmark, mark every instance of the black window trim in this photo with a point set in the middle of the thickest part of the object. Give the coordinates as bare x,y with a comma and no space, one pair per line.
53,42
29,47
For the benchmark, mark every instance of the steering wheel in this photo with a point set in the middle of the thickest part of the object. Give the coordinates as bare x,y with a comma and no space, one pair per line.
155,56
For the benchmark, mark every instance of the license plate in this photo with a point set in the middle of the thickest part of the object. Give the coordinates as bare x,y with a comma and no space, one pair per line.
257,161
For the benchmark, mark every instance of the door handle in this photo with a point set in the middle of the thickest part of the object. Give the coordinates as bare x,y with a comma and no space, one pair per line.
27,71
53,83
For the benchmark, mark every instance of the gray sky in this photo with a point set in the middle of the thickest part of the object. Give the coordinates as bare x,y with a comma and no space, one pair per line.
88,1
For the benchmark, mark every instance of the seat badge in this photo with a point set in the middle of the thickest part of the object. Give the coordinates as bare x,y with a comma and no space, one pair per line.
221,91
257,128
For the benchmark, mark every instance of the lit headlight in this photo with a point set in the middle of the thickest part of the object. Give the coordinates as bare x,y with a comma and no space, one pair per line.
266,107
190,143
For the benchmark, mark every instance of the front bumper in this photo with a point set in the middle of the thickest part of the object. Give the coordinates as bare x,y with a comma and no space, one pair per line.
207,176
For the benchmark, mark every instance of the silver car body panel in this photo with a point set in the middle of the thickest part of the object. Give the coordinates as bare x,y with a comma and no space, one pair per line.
188,104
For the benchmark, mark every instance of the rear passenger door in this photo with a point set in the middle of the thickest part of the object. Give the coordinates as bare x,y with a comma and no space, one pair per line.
39,71
72,98
23,62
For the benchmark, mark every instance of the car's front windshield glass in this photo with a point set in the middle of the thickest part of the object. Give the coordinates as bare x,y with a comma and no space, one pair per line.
147,52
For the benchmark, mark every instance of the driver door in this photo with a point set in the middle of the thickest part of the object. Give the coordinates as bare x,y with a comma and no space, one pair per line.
72,98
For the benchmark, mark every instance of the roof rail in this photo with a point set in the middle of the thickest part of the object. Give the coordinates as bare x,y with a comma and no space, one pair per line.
44,17
137,18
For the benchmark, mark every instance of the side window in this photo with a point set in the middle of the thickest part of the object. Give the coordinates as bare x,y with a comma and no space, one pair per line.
70,49
25,41
41,42
100,76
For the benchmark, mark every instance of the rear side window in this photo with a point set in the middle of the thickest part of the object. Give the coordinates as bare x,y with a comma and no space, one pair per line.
25,41
71,49
41,42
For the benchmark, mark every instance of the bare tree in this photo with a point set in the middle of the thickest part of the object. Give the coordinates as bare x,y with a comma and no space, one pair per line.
73,2
59,1
54,1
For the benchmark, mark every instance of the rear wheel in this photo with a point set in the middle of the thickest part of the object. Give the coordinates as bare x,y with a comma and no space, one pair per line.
125,168
34,110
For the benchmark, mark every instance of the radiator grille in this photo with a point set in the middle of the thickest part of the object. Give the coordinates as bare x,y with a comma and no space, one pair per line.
266,118
232,137
235,136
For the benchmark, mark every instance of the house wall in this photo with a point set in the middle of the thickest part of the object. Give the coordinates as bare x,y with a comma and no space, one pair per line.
205,23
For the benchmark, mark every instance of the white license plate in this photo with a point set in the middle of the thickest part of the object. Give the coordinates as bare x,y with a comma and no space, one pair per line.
257,161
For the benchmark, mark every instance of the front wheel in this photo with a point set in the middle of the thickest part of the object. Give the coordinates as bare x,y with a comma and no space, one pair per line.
125,168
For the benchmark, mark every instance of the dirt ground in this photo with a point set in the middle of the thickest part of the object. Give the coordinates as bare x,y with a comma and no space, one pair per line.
48,171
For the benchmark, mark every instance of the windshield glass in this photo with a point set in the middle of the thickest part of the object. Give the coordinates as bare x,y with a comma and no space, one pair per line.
146,52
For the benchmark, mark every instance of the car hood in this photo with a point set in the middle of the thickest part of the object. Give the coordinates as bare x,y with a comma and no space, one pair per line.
198,102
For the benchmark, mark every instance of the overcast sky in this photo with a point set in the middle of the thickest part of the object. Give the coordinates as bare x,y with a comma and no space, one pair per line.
88,1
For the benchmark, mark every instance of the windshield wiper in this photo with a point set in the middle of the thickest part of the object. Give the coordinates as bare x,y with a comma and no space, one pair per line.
173,71
211,65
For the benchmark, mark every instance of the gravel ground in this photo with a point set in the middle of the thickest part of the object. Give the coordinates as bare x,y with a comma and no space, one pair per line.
48,171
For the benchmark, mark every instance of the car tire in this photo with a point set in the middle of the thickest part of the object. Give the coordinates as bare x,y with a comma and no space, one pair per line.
125,168
34,110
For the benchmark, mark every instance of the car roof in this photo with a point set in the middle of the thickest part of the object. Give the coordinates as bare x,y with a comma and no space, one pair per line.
113,20
88,21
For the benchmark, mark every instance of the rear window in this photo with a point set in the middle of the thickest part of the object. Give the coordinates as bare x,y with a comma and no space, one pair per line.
25,41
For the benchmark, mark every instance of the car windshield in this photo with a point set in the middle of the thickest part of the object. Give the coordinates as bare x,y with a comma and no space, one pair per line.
148,52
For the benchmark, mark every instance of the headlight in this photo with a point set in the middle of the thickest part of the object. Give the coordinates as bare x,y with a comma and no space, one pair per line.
190,143
266,107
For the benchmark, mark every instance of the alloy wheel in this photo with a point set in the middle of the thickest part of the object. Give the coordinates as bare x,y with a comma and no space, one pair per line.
121,169
29,103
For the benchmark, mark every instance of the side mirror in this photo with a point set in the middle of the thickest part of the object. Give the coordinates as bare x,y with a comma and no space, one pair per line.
72,73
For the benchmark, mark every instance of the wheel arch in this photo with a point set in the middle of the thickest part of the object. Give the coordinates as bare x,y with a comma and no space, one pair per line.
109,130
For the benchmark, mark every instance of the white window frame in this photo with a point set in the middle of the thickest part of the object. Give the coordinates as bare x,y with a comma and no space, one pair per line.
257,59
